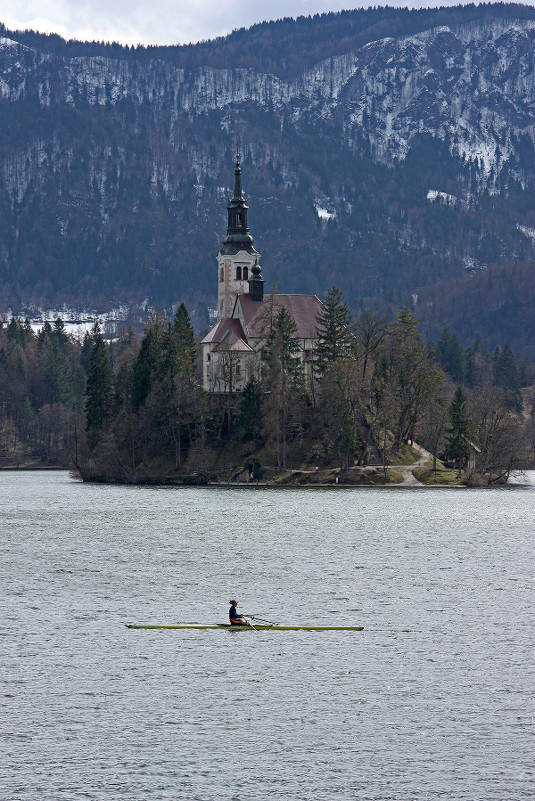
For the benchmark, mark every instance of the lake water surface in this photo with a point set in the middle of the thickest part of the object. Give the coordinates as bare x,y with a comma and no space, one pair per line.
433,700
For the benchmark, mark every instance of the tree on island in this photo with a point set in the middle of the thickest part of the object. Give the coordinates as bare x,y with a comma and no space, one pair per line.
412,376
249,420
433,424
181,333
458,446
500,433
340,384
283,386
335,340
99,389
342,394
370,332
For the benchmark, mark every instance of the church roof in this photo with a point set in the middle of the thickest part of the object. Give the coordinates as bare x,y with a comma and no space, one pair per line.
232,342
303,310
221,328
228,335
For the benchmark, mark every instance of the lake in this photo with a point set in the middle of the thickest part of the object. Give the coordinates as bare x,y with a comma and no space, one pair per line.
432,700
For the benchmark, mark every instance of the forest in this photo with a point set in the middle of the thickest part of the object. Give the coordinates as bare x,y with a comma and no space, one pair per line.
116,165
132,410
285,47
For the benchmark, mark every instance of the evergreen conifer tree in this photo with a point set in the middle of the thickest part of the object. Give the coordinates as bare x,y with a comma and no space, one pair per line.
283,346
458,445
335,340
87,345
507,376
477,365
527,372
184,338
28,330
99,390
57,376
451,356
45,334
145,368
60,336
13,330
249,421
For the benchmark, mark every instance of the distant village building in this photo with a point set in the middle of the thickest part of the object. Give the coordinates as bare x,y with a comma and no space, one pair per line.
232,351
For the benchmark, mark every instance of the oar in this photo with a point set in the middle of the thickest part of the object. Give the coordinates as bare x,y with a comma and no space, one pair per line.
263,620
250,624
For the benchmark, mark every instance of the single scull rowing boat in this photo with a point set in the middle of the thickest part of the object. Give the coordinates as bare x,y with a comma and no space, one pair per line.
248,627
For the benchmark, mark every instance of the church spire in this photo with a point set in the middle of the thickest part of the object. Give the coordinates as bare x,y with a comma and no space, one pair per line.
238,236
237,262
238,191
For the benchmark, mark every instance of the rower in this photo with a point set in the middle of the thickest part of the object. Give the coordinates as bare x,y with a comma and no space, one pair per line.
234,617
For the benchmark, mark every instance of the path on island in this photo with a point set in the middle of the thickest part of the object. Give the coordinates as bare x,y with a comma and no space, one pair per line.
406,470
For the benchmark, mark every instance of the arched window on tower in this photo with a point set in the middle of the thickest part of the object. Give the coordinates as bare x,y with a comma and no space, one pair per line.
238,273
245,273
238,218
221,275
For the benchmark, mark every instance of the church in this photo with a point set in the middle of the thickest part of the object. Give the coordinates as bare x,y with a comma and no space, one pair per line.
232,352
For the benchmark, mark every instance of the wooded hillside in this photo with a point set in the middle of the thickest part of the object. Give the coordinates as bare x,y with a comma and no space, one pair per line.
133,411
390,151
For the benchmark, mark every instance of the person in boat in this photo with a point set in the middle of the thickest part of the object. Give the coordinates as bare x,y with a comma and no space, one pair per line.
235,618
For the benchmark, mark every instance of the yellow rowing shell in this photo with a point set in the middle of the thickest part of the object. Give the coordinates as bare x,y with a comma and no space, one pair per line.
228,627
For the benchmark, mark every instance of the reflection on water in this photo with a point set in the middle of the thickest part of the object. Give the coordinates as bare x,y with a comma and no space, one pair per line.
430,700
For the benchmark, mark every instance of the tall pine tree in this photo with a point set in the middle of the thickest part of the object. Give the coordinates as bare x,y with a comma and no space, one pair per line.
99,389
458,446
335,340
184,338
145,368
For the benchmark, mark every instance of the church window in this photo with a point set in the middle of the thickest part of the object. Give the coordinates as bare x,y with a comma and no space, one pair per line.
245,274
208,358
221,274
237,370
238,273
238,218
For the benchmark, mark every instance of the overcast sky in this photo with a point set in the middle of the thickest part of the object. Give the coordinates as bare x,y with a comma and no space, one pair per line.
169,21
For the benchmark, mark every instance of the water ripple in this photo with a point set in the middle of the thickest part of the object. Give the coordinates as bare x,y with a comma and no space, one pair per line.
429,701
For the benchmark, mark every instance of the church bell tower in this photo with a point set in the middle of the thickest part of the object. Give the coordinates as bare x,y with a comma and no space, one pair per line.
237,256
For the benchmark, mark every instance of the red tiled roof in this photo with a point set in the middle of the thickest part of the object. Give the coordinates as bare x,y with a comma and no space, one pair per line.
223,327
231,341
303,309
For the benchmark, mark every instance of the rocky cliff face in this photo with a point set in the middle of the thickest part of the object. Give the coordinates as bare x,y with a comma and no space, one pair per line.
473,85
400,163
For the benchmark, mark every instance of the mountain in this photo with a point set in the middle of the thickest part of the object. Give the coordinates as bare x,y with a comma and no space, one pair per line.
388,152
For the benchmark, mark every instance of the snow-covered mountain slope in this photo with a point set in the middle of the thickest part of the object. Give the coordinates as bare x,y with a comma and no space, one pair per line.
111,169
473,85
